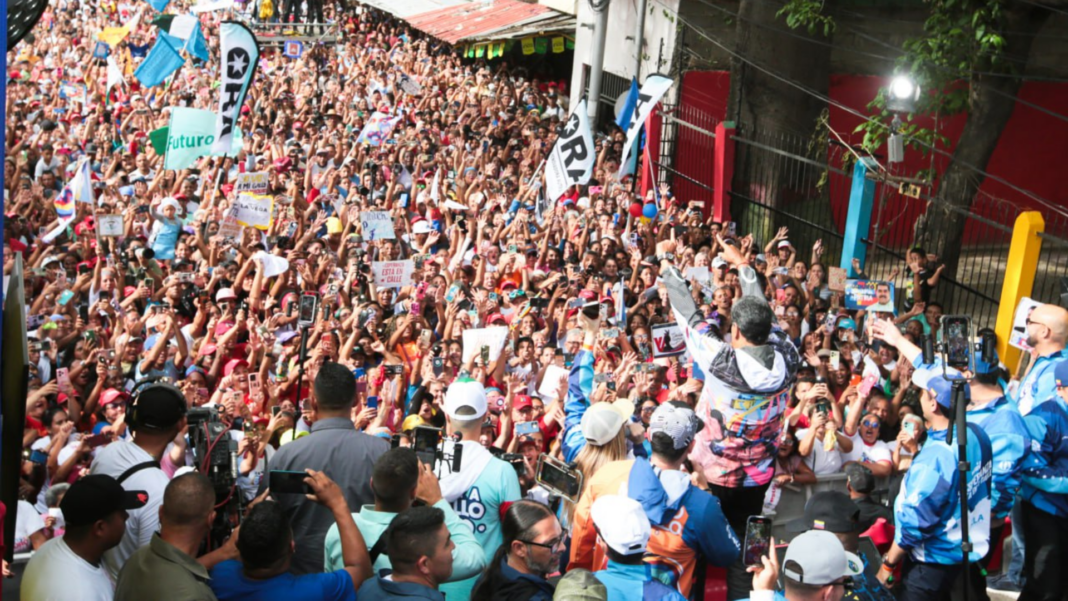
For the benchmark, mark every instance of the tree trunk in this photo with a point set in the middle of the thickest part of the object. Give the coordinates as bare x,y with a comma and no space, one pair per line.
770,111
991,103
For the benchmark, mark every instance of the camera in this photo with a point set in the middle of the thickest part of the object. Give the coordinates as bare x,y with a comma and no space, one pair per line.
559,478
215,456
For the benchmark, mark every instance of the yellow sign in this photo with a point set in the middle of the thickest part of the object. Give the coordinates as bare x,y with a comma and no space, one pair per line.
113,35
558,45
528,46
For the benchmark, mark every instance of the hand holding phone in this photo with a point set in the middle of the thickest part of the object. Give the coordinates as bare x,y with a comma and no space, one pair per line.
757,540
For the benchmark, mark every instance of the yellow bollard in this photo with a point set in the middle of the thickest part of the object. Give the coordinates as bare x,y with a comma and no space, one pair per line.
1019,279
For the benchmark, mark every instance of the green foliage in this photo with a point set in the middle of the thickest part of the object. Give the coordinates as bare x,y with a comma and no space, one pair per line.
807,14
960,38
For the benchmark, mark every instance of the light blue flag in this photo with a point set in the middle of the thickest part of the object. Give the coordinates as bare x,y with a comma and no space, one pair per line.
161,61
628,106
159,5
196,45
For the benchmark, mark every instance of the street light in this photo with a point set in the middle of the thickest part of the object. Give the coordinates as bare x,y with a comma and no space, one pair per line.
904,93
902,97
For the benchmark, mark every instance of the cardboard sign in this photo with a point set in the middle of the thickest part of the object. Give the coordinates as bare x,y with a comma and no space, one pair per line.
230,229
109,226
254,183
668,340
1018,338
475,339
392,274
377,225
254,210
101,50
836,279
408,85
870,295
700,274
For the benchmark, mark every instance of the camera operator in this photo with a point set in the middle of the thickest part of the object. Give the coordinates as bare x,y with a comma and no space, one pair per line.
155,417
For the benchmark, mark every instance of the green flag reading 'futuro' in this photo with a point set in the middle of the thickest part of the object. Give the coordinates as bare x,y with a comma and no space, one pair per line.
190,135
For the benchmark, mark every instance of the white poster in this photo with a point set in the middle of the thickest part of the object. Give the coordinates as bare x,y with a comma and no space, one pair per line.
256,183
1018,338
254,210
493,337
392,274
110,225
652,91
377,225
668,340
408,85
230,229
573,157
551,382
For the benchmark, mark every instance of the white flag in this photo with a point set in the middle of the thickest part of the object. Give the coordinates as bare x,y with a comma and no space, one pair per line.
573,157
114,74
652,91
240,55
434,190
81,185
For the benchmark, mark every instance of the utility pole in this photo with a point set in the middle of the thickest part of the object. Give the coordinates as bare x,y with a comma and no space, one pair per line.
639,40
600,33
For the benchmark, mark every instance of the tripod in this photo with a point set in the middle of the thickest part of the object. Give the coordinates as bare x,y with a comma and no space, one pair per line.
960,419
303,356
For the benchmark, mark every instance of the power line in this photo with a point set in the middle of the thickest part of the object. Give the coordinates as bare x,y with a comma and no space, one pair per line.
1040,5
1046,203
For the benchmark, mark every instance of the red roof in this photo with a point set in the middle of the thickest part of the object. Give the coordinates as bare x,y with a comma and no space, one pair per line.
472,19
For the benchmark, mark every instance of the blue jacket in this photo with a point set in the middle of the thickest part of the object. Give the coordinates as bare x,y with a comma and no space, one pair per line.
1045,470
635,583
1038,386
374,589
579,389
1010,442
927,510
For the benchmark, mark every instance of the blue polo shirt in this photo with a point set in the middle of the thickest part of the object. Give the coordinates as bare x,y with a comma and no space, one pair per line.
635,583
228,581
1038,385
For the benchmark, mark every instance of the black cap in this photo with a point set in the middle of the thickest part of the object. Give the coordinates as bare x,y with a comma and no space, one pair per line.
860,478
159,407
828,510
96,497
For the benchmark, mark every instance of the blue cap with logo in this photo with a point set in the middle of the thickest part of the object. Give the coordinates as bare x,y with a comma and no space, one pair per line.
1060,374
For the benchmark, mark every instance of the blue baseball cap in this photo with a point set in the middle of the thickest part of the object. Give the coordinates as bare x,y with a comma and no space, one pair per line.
847,324
1060,374
938,385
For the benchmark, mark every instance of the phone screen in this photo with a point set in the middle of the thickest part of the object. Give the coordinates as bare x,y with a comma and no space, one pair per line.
308,305
958,341
522,428
372,402
757,537
426,444
289,483
559,478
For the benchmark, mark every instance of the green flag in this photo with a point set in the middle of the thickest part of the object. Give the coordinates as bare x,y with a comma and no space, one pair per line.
190,136
158,138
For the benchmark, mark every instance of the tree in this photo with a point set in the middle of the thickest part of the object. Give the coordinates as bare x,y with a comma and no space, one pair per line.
962,62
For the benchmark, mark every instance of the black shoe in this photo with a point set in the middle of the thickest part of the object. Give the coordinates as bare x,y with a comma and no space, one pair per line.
1003,583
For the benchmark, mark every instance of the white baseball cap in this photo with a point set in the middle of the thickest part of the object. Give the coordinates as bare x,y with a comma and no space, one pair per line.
602,421
677,421
465,392
817,557
622,523
421,227
225,294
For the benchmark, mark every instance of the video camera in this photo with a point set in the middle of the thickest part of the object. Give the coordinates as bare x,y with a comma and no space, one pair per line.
958,346
215,456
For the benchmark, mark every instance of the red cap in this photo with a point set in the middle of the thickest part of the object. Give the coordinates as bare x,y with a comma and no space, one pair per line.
508,284
112,395
522,401
496,318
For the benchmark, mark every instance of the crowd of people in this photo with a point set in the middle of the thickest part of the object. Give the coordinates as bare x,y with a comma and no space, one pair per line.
557,398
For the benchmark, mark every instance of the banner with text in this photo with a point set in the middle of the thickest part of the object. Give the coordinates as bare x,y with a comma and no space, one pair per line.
392,274
254,210
377,225
255,183
573,157
652,91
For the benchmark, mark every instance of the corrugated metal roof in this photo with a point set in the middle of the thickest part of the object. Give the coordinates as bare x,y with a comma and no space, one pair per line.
559,23
406,8
480,20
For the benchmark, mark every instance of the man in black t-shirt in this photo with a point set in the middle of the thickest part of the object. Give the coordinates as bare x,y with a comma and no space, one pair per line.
920,276
860,483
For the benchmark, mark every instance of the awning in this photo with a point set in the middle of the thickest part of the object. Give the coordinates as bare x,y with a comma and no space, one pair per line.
495,20
406,8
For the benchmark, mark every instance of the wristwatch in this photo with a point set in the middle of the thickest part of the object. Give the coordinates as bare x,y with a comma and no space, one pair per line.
886,562
670,257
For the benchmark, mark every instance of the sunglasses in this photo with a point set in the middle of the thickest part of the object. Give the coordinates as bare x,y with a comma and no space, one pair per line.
554,543
869,424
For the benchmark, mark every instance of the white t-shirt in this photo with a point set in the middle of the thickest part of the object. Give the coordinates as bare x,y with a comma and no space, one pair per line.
27,521
863,452
56,572
113,460
822,462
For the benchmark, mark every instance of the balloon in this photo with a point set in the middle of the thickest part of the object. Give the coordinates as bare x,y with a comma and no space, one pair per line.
650,210
636,210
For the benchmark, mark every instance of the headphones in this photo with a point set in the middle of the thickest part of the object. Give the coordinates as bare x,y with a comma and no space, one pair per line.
156,383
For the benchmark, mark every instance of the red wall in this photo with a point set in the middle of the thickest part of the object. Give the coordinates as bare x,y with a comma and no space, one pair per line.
1033,145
